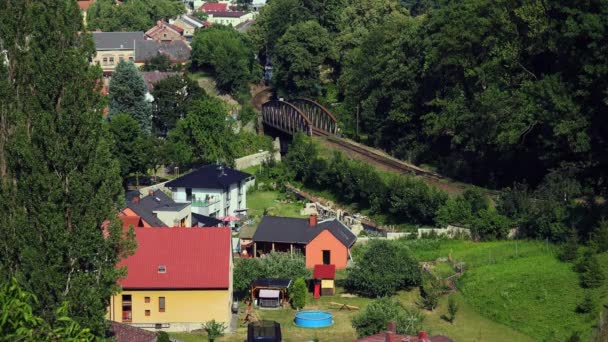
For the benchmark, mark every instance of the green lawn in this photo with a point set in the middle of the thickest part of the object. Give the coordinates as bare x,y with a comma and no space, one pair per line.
273,202
520,284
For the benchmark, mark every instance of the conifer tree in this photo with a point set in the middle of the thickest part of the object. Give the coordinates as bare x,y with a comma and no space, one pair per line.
128,95
59,184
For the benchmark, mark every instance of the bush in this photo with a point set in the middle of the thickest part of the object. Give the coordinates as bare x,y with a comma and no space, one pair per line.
375,317
587,305
591,274
452,309
214,329
297,293
430,291
273,265
490,225
383,269
162,336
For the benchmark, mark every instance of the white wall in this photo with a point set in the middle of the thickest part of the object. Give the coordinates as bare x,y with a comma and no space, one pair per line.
169,217
217,208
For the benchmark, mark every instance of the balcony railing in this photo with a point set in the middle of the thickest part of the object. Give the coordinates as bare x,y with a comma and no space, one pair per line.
204,203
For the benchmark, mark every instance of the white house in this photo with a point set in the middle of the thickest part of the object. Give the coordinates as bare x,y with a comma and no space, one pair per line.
229,17
213,190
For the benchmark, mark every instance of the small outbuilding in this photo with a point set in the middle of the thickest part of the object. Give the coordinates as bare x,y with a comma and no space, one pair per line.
264,331
269,292
324,276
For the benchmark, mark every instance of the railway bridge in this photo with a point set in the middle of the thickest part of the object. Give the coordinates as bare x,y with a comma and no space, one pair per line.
299,115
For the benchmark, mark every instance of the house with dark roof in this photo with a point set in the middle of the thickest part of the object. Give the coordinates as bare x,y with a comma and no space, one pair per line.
322,243
177,279
178,51
153,77
157,210
113,47
212,190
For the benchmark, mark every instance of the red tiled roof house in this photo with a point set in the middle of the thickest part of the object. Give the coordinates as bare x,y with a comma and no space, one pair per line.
177,279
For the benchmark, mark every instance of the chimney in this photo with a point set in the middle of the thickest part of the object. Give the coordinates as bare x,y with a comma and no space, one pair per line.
392,326
150,192
423,336
389,336
136,199
312,220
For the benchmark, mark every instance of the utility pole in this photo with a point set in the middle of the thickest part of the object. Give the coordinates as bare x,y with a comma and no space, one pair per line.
357,121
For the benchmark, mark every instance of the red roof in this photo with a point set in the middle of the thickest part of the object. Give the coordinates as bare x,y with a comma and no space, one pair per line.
84,4
213,7
324,272
128,221
194,258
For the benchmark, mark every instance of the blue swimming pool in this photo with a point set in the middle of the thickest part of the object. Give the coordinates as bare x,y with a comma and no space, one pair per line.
314,319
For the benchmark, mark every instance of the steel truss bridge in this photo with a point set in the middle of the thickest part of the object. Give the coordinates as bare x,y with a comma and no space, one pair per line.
299,115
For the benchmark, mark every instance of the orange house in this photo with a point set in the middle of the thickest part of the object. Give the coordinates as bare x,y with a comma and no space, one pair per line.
322,243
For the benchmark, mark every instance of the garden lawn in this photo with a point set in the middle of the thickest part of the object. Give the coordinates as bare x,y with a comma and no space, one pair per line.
258,201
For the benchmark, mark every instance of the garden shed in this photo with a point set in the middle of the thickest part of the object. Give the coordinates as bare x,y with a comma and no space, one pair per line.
324,276
269,292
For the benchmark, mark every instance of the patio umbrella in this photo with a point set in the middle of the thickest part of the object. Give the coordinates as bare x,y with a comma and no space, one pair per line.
230,218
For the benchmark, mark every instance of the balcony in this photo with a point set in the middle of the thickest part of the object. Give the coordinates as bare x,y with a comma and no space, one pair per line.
202,204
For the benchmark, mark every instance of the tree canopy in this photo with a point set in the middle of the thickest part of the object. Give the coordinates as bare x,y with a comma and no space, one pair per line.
230,56
172,99
132,15
128,95
59,184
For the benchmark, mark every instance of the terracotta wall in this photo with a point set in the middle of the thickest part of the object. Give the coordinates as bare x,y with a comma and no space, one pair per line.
326,241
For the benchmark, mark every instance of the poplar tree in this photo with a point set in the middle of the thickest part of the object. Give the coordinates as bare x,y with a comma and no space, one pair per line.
128,94
59,184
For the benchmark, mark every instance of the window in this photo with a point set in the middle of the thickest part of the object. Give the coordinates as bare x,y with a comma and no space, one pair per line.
326,257
121,58
105,60
147,312
126,308
162,269
111,60
131,59
161,304
188,194
147,299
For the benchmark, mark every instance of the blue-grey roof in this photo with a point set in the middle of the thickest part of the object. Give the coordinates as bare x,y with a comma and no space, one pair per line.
157,201
176,50
117,40
209,177
298,230
204,221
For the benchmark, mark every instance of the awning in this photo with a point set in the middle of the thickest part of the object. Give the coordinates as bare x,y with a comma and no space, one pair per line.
264,293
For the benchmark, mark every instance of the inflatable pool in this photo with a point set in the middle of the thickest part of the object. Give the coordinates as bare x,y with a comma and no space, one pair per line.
314,319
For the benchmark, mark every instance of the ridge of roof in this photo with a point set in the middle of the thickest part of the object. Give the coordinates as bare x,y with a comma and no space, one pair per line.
298,230
209,177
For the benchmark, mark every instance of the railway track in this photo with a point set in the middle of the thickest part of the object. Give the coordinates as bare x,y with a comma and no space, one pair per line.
374,155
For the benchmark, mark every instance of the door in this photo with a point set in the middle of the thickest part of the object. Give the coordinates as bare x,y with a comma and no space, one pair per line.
317,291
326,257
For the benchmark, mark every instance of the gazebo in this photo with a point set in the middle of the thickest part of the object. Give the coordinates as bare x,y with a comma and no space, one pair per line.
269,292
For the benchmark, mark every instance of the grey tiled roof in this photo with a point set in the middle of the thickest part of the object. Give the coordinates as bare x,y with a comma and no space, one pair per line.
156,202
176,50
298,230
117,40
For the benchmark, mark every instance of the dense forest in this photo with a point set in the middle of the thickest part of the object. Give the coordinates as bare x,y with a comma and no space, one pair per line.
489,92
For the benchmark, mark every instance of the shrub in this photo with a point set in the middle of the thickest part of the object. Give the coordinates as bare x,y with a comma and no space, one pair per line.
273,265
452,309
214,329
430,291
297,293
375,317
383,268
490,225
591,275
162,336
587,305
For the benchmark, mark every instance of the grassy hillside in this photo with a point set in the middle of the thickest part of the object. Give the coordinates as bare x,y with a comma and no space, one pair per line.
520,284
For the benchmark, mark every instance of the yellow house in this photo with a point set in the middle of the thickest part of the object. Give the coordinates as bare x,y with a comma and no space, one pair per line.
178,279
